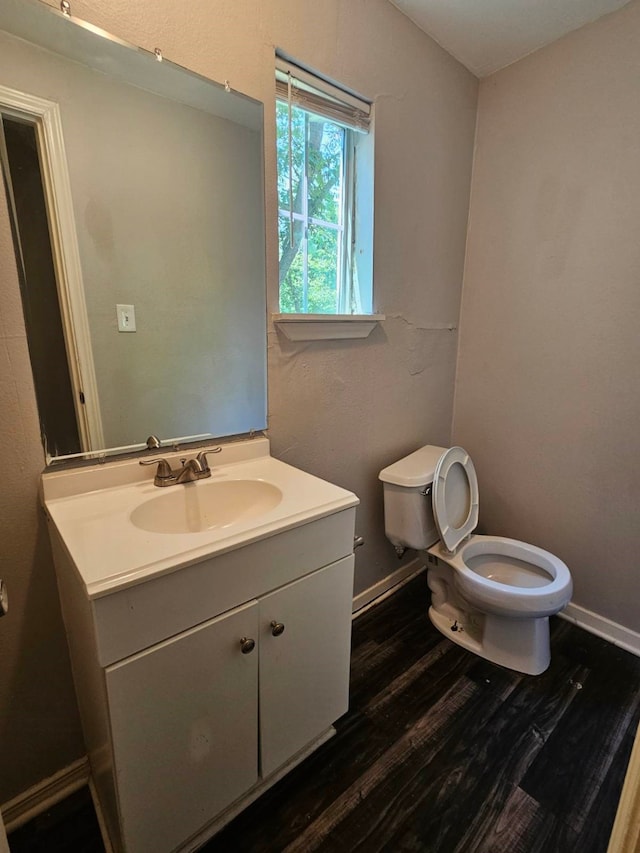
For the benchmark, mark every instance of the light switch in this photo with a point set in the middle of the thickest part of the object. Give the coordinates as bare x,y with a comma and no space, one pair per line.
126,318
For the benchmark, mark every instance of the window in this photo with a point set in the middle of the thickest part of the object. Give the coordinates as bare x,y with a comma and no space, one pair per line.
325,196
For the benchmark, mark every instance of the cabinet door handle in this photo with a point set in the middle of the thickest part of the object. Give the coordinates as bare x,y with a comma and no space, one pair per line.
277,628
247,645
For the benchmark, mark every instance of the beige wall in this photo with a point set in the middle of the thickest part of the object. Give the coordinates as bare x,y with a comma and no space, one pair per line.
340,410
547,396
39,727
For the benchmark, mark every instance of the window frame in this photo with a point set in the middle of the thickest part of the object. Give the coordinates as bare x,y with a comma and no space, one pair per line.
317,97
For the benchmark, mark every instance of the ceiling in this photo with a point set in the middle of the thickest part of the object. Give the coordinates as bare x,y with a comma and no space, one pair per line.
486,35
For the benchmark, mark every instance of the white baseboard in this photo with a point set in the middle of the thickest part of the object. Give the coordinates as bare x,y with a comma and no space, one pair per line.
387,586
45,794
602,627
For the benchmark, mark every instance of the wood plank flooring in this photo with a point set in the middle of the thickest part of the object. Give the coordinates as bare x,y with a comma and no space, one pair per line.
442,751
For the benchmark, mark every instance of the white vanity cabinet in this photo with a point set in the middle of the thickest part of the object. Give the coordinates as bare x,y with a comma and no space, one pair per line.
185,714
207,662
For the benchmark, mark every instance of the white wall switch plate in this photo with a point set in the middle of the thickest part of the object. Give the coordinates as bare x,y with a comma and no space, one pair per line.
126,318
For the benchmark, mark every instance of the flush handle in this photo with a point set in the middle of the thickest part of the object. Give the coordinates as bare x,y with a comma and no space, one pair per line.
247,645
277,628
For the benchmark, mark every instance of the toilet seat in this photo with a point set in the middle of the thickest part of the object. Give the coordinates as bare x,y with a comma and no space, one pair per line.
507,599
455,497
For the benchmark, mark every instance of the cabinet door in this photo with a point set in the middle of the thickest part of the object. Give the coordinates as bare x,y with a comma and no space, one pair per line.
304,671
184,727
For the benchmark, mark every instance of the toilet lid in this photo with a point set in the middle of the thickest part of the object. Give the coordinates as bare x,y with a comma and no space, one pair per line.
455,497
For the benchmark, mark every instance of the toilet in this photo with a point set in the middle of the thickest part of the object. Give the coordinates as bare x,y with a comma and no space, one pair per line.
492,595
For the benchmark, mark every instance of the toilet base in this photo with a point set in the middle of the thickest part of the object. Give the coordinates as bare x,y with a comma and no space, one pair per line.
519,644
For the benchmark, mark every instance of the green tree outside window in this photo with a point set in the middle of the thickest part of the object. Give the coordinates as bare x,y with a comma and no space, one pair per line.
311,204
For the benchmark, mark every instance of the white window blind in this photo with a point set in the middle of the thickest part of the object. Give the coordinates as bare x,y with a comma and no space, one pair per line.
311,93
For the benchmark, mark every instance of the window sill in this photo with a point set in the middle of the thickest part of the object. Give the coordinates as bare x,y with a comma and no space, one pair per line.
326,327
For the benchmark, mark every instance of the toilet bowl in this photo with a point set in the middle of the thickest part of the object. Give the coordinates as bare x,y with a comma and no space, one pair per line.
490,594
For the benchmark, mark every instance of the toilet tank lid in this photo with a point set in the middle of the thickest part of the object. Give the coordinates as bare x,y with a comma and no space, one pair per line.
416,469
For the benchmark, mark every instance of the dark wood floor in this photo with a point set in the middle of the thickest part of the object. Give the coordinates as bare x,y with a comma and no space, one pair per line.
441,752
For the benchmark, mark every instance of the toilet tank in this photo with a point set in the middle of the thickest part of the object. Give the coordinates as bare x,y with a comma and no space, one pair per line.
408,515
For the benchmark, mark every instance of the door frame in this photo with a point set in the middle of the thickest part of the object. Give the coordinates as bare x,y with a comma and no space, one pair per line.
46,118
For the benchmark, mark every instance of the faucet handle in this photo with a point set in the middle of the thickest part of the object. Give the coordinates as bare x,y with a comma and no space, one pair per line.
164,471
202,458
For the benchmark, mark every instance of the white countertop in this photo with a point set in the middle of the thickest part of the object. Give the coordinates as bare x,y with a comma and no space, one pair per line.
110,553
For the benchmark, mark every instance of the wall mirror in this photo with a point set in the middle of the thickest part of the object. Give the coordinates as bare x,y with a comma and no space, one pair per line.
135,199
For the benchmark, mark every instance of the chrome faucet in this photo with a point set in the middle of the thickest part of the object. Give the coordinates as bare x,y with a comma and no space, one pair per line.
191,470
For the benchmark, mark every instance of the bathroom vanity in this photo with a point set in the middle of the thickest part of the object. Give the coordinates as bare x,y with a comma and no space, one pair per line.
209,629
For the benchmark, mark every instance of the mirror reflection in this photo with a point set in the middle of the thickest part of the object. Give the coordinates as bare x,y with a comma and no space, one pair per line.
135,193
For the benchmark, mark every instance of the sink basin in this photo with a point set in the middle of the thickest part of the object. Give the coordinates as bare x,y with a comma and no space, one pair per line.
120,530
196,507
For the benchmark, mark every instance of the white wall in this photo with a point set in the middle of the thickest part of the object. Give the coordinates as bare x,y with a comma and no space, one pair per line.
547,398
339,410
